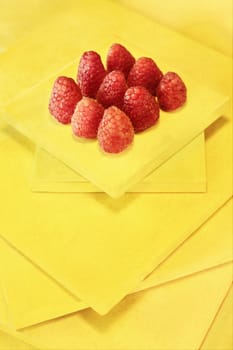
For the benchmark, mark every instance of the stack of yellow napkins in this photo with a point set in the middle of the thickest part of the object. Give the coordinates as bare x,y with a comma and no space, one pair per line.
150,268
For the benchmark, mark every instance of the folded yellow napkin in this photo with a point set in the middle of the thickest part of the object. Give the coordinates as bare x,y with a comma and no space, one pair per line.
44,299
115,174
12,340
141,203
18,19
220,334
130,236
200,20
184,172
175,316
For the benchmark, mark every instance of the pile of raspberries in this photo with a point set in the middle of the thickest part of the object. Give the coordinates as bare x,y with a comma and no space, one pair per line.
113,104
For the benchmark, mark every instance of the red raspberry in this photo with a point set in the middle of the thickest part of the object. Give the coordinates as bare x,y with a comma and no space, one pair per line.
171,92
145,73
112,89
141,107
115,131
86,118
65,95
91,73
119,58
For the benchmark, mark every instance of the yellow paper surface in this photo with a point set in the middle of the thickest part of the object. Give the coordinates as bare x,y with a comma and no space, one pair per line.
3,301
201,20
175,316
18,19
96,234
42,299
184,318
204,249
157,12
12,340
106,208
220,335
184,172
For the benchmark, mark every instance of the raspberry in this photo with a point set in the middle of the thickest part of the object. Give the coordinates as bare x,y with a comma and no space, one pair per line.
65,95
119,58
141,107
145,73
86,118
112,89
171,92
91,73
115,131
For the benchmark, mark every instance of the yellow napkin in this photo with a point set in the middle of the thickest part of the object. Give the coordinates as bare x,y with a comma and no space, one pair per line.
220,334
12,340
18,20
211,348
170,317
184,172
3,300
192,255
201,20
115,174
43,299
218,188
175,316
96,234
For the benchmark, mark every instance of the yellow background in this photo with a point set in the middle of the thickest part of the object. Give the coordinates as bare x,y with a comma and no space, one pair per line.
208,21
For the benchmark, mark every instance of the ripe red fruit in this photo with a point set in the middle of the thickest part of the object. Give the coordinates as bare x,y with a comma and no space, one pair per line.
91,73
171,92
64,97
112,89
141,107
86,118
145,73
119,58
115,131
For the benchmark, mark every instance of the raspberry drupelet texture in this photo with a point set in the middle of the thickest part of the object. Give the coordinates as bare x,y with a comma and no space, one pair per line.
119,58
141,107
171,92
146,73
91,73
86,118
112,89
115,131
64,98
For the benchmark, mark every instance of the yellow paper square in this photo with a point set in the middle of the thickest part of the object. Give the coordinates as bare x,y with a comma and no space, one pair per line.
12,340
116,174
170,317
220,335
184,172
44,299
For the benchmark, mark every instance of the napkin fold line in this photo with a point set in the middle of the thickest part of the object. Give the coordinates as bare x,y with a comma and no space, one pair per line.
41,269
215,316
17,335
191,235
